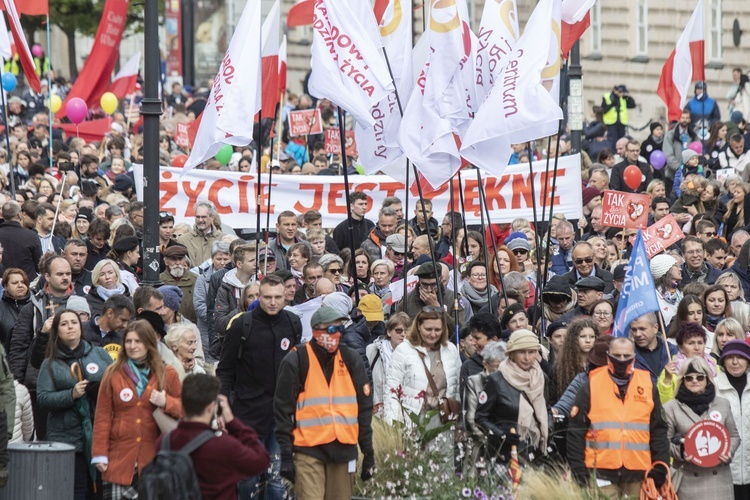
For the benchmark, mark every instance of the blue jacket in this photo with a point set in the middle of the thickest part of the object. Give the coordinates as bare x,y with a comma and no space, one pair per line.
562,262
704,109
666,356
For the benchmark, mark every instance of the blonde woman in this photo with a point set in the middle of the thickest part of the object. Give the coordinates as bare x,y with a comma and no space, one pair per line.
735,217
730,282
106,282
727,330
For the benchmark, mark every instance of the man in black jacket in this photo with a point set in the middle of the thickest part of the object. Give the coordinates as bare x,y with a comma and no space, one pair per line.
106,329
484,328
21,246
254,346
360,225
617,181
323,449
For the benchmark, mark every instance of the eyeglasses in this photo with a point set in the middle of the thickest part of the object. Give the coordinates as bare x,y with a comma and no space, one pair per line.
520,251
603,314
587,260
399,330
334,271
694,378
428,286
433,309
397,254
479,276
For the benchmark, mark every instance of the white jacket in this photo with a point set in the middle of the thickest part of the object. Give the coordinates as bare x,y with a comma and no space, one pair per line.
378,370
23,428
740,464
406,376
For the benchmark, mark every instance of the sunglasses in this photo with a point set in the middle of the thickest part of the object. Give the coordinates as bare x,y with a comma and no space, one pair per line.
587,260
710,234
520,251
694,378
556,299
399,330
334,329
398,254
334,271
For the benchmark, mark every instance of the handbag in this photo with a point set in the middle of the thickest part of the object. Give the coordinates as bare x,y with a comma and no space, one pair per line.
450,409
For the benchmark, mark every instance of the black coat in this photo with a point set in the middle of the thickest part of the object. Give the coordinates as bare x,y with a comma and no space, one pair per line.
94,255
358,336
22,248
9,309
96,301
361,229
617,182
571,278
250,373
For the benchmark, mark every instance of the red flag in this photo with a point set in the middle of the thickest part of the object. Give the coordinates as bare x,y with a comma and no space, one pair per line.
572,32
270,62
27,63
126,78
575,18
31,7
282,65
301,13
94,79
91,130
684,65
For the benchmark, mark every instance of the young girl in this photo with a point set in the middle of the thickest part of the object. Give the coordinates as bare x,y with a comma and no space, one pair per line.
317,240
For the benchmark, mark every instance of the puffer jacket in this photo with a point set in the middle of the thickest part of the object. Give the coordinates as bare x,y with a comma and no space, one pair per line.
9,309
407,379
23,424
54,391
358,336
227,299
376,359
740,464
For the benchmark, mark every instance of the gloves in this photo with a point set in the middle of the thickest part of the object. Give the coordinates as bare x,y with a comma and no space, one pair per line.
368,467
287,471
659,476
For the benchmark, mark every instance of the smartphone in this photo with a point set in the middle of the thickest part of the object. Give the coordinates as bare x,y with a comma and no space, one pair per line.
218,407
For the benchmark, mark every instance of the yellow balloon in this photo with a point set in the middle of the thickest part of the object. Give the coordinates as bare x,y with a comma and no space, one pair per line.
109,102
55,103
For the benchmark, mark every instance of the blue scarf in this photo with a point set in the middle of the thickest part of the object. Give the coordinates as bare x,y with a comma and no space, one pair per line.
142,374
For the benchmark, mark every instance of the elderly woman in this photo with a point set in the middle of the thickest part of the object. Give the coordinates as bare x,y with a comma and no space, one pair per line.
379,355
696,400
733,286
476,290
667,275
382,273
424,369
733,384
106,283
333,267
726,331
183,341
691,343
514,412
173,319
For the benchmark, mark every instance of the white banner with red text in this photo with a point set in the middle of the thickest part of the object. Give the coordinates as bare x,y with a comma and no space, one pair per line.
508,196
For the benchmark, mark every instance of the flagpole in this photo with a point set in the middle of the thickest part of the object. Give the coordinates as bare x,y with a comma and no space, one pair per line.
465,245
483,202
257,199
537,224
49,91
11,171
484,243
455,261
549,225
350,220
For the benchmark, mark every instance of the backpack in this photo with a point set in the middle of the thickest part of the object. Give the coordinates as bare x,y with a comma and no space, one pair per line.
171,475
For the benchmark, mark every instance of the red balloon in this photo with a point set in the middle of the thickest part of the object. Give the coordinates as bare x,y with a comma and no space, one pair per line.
632,177
180,160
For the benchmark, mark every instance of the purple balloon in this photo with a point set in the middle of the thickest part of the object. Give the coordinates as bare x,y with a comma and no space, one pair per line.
658,159
76,110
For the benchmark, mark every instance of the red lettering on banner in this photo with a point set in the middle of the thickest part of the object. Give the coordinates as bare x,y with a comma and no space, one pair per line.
169,188
471,196
367,186
264,206
243,183
492,195
391,188
192,196
521,187
336,192
213,195
317,198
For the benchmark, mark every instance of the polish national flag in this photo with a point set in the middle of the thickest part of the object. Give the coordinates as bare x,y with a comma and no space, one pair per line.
270,62
27,62
125,79
282,65
684,65
576,18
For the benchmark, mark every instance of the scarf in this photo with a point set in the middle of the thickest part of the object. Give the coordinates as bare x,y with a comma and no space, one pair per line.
139,375
478,299
297,276
672,296
697,402
713,321
532,418
680,359
76,353
106,293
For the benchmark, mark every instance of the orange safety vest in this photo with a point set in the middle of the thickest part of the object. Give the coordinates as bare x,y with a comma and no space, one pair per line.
619,434
326,413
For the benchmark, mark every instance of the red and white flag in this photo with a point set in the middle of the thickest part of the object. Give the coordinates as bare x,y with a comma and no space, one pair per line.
378,144
31,7
270,62
235,96
282,66
125,79
347,65
6,51
684,65
576,19
27,62
300,14
520,107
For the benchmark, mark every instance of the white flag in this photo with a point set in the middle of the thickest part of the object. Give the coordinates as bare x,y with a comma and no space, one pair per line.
378,144
519,108
235,96
440,107
347,65
5,51
497,38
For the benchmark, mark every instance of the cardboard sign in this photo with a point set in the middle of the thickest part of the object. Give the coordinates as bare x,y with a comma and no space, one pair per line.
305,122
706,441
628,210
661,235
181,135
333,142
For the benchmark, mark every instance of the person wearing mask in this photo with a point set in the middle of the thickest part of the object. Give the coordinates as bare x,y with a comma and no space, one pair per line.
252,352
695,400
626,396
67,388
320,440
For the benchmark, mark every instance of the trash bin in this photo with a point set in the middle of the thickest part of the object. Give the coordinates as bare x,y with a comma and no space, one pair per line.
40,471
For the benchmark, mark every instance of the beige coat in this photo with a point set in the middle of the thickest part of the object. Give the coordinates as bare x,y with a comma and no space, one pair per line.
199,246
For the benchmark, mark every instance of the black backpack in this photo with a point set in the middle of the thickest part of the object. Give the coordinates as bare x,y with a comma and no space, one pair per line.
171,475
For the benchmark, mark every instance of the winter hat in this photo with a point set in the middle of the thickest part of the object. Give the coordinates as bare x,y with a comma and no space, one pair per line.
509,313
661,264
78,304
619,273
521,243
339,301
122,183
554,326
515,235
687,154
736,117
589,194
172,297
522,340
735,348
326,315
654,126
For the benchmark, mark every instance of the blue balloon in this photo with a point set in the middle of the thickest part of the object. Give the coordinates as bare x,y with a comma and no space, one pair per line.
9,81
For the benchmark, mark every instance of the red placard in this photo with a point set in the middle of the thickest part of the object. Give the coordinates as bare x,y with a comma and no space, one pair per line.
628,210
706,441
305,122
181,137
661,235
333,142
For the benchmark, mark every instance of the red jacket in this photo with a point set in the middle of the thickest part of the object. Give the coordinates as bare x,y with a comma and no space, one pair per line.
124,427
223,461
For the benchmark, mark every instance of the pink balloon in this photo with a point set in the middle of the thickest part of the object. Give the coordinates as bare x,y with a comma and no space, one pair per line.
696,146
37,50
76,110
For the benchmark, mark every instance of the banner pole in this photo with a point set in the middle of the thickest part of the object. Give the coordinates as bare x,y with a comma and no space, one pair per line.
257,201
487,262
483,203
455,260
537,227
465,243
57,209
11,171
268,210
350,220
49,92
551,215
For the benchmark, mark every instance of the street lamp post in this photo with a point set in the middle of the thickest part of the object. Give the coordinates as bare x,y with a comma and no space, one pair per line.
575,99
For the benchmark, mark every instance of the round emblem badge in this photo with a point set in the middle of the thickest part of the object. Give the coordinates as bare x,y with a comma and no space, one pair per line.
715,416
482,397
284,344
86,288
126,394
92,368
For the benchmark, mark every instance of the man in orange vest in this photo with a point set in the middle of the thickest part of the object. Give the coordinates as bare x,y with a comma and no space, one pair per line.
323,409
617,435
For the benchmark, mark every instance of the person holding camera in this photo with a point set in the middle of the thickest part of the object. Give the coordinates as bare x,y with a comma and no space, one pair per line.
615,106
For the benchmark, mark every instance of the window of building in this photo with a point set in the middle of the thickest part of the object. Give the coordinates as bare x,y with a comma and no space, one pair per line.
715,48
641,35
596,28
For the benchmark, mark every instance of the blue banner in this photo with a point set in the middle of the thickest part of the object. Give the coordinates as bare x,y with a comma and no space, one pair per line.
638,295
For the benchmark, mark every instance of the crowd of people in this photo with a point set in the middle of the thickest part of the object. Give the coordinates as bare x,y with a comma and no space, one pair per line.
289,348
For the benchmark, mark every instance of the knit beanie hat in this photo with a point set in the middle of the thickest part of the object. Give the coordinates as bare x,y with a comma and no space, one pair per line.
172,297
655,125
687,154
661,264
589,194
736,117
522,340
339,301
